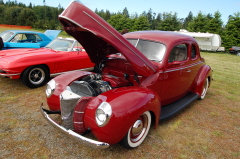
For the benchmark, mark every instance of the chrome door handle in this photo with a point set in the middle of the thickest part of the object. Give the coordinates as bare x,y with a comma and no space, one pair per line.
189,70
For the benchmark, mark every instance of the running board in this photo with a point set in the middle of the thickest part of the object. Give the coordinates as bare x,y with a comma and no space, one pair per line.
171,110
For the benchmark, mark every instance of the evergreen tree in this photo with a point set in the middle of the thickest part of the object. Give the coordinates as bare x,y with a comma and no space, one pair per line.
141,23
187,20
170,22
231,35
214,25
198,24
125,12
120,22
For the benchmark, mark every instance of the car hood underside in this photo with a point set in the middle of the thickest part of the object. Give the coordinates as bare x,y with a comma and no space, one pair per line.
100,39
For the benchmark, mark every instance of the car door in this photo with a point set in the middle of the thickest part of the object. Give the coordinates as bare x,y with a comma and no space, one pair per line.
176,82
23,41
78,58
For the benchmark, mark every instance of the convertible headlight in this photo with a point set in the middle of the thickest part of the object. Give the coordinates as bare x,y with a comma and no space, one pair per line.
51,85
103,114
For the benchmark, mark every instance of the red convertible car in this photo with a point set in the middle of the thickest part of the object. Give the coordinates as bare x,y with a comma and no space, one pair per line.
139,79
35,66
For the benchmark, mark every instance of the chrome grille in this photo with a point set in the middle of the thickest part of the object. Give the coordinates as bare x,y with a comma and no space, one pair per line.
68,101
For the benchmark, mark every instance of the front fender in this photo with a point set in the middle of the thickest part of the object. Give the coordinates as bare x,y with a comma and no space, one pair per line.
62,81
127,104
204,72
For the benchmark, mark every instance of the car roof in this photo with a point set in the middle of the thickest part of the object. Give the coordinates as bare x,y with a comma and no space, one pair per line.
166,37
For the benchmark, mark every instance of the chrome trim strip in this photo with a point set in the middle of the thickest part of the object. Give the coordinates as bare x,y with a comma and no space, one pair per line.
85,69
78,112
78,122
85,141
184,67
9,74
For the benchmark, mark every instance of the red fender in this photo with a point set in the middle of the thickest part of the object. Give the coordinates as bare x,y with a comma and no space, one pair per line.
62,81
127,105
204,72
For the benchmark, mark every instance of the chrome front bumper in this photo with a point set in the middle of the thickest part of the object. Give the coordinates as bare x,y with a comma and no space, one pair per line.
85,141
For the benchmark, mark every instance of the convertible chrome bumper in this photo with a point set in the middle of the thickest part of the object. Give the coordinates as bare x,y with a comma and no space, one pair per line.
88,142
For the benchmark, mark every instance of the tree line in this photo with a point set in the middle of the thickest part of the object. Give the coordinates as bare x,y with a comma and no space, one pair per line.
39,17
46,17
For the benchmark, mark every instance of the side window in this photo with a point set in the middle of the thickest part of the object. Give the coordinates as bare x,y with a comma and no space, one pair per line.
38,37
178,53
16,38
193,52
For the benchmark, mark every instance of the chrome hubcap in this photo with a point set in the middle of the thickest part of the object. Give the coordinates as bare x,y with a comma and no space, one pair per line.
36,76
137,128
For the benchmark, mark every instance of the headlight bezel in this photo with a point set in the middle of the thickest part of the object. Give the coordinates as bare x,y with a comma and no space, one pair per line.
50,88
103,114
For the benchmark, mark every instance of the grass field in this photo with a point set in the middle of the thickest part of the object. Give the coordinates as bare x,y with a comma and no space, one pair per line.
208,129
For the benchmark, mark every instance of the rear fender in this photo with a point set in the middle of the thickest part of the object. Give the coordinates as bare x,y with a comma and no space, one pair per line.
127,104
204,72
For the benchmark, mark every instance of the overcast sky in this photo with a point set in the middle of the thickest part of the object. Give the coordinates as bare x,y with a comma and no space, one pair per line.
181,7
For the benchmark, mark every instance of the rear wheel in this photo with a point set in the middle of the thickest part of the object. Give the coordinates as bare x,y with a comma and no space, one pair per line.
35,76
138,131
205,88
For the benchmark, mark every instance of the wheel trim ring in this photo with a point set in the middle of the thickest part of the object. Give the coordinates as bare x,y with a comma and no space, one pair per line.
204,89
33,73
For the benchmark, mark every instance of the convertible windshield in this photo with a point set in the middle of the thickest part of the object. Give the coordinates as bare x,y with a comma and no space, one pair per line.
152,50
61,44
6,35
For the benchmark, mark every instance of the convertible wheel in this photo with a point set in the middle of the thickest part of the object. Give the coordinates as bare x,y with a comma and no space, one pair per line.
205,88
137,132
35,76
238,53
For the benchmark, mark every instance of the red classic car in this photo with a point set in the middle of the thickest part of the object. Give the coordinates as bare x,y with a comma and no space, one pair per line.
35,66
139,79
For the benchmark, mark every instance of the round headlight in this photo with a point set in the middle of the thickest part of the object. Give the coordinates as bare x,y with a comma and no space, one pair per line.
51,85
103,114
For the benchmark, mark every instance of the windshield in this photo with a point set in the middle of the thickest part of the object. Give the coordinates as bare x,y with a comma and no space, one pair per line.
154,51
6,35
61,44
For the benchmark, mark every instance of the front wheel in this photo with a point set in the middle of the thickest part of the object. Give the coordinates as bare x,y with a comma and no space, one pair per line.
35,76
205,88
137,132
238,53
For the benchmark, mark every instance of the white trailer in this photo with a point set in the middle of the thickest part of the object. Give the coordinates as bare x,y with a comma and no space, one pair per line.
206,41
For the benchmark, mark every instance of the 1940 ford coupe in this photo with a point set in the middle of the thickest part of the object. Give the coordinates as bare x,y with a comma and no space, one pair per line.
140,78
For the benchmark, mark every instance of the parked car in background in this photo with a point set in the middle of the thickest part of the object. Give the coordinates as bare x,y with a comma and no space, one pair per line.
13,39
235,50
35,66
140,78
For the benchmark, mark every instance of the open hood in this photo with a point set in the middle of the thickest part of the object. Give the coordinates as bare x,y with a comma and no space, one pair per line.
100,39
52,34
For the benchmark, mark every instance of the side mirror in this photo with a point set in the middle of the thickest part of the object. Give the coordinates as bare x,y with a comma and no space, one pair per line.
77,49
